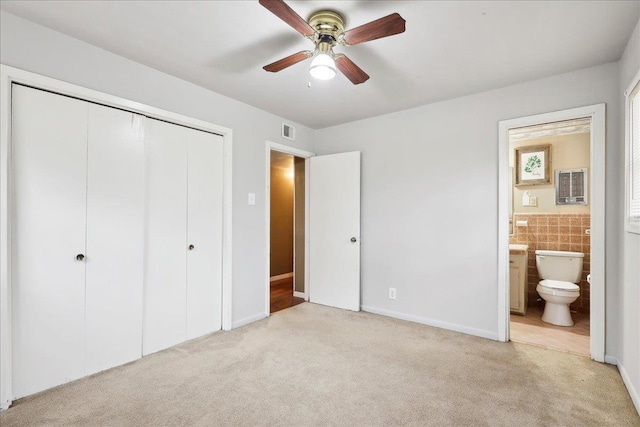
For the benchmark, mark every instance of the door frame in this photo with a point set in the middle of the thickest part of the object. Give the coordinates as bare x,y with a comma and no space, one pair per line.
269,146
598,192
10,75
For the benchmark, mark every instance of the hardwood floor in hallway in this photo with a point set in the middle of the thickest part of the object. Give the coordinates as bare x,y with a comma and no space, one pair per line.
282,295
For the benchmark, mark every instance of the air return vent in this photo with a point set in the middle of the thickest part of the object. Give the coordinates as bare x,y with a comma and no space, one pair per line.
288,131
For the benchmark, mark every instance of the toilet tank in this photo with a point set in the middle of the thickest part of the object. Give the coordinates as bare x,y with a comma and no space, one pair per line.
559,265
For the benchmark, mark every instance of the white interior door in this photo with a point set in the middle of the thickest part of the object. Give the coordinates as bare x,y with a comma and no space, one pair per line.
115,238
204,255
165,309
49,165
334,230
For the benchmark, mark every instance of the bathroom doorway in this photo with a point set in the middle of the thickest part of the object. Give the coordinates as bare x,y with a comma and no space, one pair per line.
286,227
550,212
552,193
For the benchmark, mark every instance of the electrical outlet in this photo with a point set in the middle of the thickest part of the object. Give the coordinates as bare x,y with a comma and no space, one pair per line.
533,201
392,293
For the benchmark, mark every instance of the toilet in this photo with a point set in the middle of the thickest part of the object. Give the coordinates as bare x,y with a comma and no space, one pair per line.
559,271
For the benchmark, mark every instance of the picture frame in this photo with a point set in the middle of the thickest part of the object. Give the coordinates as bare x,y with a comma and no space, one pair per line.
532,165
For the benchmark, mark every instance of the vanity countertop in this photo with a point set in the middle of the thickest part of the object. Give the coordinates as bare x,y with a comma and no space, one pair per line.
518,249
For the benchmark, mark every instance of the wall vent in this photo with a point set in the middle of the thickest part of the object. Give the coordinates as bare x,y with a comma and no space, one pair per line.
288,131
571,187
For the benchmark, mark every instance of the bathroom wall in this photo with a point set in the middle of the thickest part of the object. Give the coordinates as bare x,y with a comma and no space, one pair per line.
567,152
553,231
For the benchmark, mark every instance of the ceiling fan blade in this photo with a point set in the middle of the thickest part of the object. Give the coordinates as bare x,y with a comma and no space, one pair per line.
383,27
284,12
287,62
350,70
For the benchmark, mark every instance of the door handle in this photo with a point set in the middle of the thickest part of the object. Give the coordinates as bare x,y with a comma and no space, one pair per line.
353,240
191,247
80,257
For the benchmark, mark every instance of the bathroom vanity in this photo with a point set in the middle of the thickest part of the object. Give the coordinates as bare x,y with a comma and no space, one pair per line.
518,278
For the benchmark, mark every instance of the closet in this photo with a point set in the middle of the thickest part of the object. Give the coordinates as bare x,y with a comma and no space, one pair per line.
183,235
105,206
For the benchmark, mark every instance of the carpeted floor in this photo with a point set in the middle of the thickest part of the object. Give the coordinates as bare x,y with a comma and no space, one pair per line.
314,365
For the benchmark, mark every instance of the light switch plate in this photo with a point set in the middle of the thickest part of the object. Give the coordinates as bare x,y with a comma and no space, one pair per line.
252,199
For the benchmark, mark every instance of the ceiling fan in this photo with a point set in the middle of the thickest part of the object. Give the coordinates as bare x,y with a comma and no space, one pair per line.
326,30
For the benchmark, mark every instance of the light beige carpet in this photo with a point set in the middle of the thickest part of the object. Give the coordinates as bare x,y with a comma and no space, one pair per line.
314,365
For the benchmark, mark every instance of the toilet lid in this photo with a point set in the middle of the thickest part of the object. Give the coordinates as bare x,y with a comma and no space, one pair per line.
558,284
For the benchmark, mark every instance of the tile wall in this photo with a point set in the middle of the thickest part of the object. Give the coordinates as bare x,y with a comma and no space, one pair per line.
563,232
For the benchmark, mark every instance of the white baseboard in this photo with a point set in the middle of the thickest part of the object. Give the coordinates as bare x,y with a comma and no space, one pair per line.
635,397
430,322
299,294
247,320
280,276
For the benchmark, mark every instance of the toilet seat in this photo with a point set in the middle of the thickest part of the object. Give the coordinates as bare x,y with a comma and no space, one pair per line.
558,288
559,285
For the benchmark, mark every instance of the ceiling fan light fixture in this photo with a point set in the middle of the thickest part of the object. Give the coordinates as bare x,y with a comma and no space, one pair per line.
323,67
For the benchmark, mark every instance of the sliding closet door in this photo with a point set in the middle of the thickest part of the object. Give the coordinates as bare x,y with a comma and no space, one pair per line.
165,302
115,238
49,172
204,258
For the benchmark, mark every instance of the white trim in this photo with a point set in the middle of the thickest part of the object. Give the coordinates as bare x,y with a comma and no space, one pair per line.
10,75
629,226
611,360
5,239
635,396
280,277
299,295
597,184
227,238
267,217
430,322
633,393
242,322
307,227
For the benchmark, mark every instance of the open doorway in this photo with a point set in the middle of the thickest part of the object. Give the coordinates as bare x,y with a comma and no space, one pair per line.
549,235
287,220
591,234
289,227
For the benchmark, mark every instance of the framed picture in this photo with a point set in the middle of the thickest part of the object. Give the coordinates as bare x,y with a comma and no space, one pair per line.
532,165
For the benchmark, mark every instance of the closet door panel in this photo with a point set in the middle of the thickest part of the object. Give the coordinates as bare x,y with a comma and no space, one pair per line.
165,238
204,261
49,140
115,238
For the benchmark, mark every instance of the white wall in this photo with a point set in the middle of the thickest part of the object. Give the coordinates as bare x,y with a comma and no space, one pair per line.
430,198
629,296
40,50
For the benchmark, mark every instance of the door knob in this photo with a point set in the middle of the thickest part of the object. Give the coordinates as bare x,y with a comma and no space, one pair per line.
79,257
353,240
191,247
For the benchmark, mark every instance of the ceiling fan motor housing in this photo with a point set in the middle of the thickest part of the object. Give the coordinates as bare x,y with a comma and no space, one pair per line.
329,27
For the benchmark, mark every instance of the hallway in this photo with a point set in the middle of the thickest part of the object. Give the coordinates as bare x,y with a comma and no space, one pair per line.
282,295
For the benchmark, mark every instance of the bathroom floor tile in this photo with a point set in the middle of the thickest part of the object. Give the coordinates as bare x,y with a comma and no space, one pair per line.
530,329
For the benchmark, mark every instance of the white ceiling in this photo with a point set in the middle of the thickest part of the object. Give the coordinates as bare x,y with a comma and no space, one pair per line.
449,49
